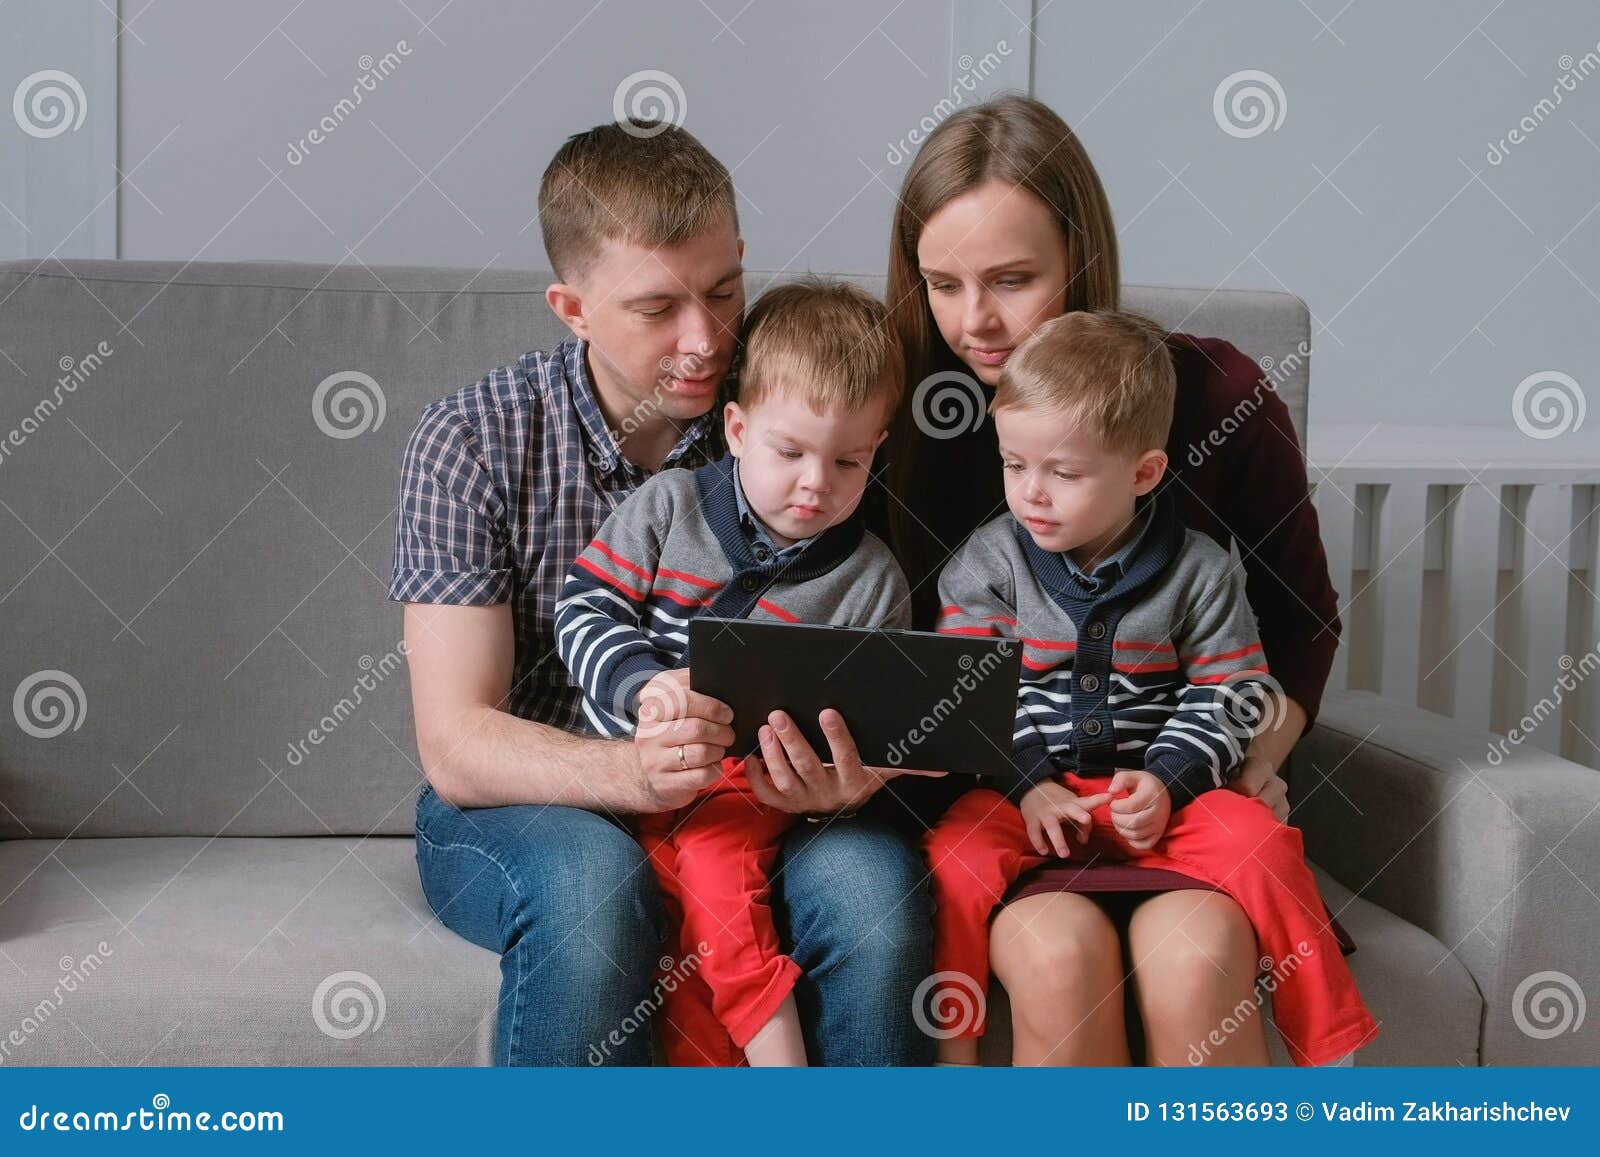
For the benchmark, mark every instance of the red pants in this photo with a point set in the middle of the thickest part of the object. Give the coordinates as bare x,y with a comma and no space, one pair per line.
1234,843
728,976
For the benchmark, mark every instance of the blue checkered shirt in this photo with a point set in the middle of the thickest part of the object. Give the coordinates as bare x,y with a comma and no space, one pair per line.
503,485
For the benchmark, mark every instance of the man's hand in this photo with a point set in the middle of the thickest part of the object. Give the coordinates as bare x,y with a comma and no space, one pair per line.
681,739
1050,809
1141,816
1258,778
787,775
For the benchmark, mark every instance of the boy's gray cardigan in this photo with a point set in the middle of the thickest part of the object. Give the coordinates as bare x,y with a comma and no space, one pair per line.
676,548
1161,670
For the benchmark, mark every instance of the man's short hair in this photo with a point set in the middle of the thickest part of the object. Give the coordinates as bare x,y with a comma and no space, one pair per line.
1110,372
827,342
640,181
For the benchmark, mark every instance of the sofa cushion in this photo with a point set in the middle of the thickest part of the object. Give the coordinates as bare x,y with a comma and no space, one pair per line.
236,952
192,951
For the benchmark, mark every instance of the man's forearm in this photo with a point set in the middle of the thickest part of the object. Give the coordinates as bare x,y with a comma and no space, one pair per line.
490,758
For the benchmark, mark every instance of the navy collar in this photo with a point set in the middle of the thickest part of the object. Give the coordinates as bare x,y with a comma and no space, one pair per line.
720,508
1116,563
1155,548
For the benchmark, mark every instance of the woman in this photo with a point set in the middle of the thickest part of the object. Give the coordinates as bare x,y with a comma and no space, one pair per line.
1003,224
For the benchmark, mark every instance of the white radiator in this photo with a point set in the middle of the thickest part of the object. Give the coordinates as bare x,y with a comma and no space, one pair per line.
1466,565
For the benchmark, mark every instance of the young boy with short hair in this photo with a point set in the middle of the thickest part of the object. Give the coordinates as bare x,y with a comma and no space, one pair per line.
1143,680
771,532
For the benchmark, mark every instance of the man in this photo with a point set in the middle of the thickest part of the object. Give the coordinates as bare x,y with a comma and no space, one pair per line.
521,842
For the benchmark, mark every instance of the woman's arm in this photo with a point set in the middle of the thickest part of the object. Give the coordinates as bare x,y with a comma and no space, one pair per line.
1258,777
1264,502
1266,506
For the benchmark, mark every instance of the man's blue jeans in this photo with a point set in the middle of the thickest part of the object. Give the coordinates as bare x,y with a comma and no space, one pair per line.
569,901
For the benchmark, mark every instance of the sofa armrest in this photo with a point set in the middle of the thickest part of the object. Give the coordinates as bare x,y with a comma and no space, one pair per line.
1492,848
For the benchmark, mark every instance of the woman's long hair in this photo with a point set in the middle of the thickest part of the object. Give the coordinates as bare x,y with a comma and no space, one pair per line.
1021,142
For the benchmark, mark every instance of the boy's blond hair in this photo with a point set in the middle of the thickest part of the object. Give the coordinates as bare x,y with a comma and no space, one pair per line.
827,342
644,182
1110,372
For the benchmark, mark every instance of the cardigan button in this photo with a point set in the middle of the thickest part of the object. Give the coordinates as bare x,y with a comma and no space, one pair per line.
1097,630
1091,726
749,582
1090,682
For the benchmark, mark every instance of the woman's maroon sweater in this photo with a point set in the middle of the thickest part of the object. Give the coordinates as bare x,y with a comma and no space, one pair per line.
1247,484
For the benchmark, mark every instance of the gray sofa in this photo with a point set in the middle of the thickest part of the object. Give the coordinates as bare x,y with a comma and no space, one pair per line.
207,766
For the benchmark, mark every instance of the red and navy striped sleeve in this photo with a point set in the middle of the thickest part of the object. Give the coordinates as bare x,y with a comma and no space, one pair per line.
1225,694
602,619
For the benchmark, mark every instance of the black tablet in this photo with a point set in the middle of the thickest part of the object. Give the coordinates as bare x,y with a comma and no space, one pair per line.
912,699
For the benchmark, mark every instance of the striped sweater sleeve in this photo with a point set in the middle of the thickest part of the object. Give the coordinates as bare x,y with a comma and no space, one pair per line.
1224,695
601,612
977,597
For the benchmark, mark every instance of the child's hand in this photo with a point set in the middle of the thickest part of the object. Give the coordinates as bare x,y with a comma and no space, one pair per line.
1047,806
1141,816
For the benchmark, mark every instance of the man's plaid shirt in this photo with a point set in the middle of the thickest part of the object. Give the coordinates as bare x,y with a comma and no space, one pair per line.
504,483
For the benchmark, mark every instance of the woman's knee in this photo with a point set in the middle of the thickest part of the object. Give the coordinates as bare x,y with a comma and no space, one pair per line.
1061,946
1195,948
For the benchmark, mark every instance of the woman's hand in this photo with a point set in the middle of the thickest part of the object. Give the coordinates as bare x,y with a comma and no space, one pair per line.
787,775
681,739
1258,778
1048,806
